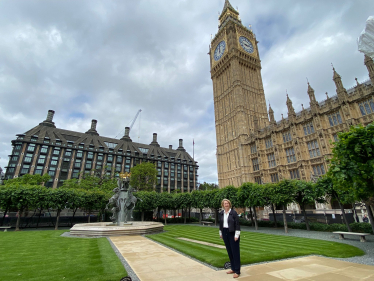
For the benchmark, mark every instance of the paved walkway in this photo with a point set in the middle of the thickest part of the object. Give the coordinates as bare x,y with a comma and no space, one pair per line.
151,261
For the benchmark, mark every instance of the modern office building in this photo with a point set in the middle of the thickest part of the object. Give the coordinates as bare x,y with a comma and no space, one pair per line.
67,154
251,145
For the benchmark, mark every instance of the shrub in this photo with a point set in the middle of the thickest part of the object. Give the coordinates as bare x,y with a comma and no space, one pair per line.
362,227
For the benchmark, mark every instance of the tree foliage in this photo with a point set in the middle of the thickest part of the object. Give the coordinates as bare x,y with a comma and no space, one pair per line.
143,176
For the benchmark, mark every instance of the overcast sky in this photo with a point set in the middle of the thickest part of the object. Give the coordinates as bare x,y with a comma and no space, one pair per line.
105,60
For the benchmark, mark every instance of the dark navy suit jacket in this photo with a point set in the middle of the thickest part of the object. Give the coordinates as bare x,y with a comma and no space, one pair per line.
233,220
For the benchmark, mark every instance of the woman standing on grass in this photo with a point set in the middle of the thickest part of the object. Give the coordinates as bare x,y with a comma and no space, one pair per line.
229,231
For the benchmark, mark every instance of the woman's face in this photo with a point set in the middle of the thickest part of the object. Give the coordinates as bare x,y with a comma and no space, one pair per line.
226,205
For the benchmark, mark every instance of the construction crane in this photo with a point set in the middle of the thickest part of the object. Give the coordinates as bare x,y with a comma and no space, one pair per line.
132,122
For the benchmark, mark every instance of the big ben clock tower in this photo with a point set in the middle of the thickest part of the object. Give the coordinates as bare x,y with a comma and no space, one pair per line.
239,100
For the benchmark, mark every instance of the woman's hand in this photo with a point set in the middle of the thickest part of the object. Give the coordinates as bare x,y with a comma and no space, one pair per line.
220,236
236,239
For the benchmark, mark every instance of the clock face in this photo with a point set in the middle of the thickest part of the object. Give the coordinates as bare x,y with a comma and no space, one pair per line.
220,49
246,44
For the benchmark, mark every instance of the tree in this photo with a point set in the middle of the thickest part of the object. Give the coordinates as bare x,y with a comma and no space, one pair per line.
29,179
307,193
213,201
352,164
269,199
198,201
88,181
283,194
147,201
143,176
326,183
230,192
208,186
165,202
58,200
184,201
5,201
251,195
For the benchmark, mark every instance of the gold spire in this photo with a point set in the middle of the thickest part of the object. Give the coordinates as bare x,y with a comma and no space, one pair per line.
228,10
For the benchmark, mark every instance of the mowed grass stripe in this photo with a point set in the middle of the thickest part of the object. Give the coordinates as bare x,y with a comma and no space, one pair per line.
255,247
45,255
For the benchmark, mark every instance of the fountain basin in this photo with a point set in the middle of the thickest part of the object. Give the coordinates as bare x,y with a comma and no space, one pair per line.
103,229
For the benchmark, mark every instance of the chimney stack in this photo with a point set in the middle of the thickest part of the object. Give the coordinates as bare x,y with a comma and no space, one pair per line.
126,137
50,115
93,131
154,142
170,146
181,145
93,124
49,121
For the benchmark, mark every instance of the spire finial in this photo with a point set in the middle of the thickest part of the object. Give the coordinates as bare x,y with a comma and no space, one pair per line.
333,67
357,82
307,80
302,106
327,95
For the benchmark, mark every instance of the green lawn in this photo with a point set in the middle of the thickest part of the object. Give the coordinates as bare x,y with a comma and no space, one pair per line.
254,247
44,255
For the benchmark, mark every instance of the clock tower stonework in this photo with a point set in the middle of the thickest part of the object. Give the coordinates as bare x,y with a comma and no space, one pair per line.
239,99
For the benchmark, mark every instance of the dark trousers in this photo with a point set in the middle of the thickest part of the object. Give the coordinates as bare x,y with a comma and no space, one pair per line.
232,248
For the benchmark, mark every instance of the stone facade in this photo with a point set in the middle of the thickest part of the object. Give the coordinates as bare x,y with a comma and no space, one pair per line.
251,145
67,154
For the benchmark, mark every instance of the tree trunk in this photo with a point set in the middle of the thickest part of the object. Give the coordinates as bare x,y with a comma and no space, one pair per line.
254,211
142,215
189,214
185,216
343,213
57,219
274,216
370,213
72,219
201,215
18,219
40,213
165,216
251,214
6,211
285,219
89,216
216,217
355,212
305,217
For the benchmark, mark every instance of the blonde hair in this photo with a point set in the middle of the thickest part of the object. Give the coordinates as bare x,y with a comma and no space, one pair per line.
223,201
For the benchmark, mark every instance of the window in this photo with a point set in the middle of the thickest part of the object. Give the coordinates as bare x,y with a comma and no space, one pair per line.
319,170
258,180
274,177
39,170
78,163
167,166
52,172
271,160
268,143
79,154
56,151
44,149
25,169
366,107
336,138
28,158
14,158
335,119
90,155
31,147
100,157
308,128
58,142
46,140
290,153
253,148
54,161
34,138
88,165
110,158
75,173
294,174
41,159
255,164
313,149
70,144
287,137
68,152
17,147
143,150
128,160
110,144
99,165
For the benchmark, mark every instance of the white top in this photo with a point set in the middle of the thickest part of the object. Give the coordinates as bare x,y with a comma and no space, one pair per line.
226,224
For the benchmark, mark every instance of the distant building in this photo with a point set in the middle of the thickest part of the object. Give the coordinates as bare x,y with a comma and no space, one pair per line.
67,154
251,145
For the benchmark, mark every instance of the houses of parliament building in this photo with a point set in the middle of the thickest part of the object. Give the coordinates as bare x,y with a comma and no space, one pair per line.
251,145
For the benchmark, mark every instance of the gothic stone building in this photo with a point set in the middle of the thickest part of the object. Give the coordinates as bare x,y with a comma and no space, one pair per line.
66,154
251,145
